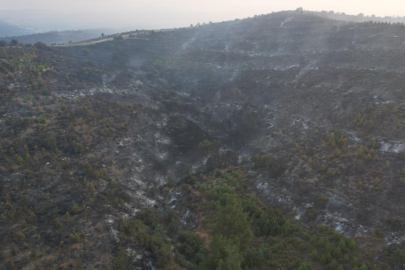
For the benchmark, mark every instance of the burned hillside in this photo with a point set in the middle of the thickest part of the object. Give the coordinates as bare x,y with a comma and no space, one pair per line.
273,142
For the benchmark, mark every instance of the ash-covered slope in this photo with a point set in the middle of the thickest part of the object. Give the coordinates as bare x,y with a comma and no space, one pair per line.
303,112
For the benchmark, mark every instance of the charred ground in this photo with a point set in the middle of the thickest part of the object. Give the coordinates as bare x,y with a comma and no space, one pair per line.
131,152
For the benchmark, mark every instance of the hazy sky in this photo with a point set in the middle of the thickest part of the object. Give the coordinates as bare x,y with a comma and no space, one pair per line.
172,13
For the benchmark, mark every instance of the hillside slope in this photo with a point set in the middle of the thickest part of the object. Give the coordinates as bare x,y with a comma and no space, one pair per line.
275,142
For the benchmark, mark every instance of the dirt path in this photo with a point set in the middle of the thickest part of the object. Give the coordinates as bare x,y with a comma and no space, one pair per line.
110,38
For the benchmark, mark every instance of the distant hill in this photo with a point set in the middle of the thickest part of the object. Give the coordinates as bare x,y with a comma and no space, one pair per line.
9,29
56,37
43,20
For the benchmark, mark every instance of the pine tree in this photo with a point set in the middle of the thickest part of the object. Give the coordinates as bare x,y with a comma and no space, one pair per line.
233,223
224,255
352,244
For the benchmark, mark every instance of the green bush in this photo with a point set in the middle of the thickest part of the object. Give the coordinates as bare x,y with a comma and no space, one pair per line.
304,266
121,261
150,238
267,224
191,246
255,257
41,46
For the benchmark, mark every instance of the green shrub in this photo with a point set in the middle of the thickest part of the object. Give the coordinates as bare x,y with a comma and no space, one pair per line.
121,261
255,257
304,266
191,246
42,119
